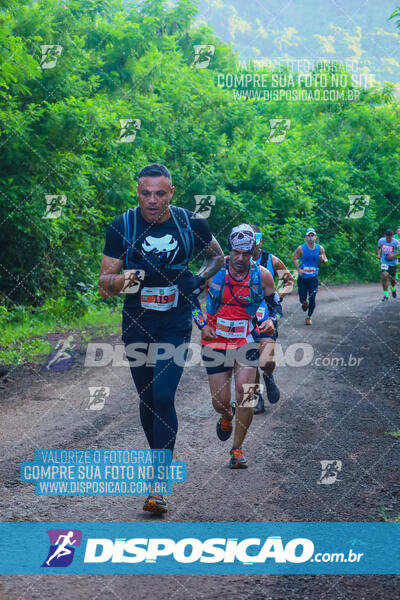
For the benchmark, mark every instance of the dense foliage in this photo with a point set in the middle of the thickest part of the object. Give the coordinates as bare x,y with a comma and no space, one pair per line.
60,135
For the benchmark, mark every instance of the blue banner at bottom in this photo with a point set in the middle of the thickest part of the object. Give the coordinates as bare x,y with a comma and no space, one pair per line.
195,548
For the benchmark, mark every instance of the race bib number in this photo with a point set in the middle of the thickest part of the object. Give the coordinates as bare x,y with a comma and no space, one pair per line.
384,267
387,249
232,329
159,298
309,270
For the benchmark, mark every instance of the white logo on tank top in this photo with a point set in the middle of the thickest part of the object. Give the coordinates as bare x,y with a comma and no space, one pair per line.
167,243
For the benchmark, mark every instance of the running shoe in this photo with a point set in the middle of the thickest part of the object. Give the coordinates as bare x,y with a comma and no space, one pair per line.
237,461
385,298
156,504
394,293
273,393
308,321
259,407
224,429
304,306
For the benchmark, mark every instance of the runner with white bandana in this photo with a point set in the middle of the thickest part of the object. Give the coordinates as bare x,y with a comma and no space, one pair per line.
228,335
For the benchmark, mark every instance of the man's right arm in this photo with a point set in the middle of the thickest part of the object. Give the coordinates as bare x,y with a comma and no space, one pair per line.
295,257
111,281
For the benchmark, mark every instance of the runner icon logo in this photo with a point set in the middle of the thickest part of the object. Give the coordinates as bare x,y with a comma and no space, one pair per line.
357,205
50,54
62,357
330,469
97,398
204,205
129,127
62,547
202,55
279,129
54,205
250,394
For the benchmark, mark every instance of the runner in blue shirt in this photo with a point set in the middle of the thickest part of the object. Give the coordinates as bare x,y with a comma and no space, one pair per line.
387,251
309,254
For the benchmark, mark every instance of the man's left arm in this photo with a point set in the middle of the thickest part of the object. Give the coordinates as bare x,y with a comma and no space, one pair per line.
284,275
322,255
273,301
396,254
213,260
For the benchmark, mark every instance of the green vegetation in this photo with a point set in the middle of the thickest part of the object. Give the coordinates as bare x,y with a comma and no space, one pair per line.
395,434
25,331
60,135
383,516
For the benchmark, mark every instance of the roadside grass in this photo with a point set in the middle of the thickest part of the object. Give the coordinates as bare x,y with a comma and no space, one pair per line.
25,333
383,516
395,434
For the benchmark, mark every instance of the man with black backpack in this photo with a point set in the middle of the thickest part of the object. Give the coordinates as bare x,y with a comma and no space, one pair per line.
154,243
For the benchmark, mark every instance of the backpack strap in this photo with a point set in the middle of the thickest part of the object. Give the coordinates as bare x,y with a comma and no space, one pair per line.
255,284
181,220
216,291
129,236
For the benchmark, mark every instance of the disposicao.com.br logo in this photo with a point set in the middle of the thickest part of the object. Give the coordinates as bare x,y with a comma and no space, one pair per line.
213,550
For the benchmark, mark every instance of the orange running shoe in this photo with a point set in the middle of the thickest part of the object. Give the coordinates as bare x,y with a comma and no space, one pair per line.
156,503
237,461
224,429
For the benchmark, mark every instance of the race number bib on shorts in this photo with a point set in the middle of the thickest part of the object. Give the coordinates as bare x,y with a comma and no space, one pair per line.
384,267
232,329
309,270
159,298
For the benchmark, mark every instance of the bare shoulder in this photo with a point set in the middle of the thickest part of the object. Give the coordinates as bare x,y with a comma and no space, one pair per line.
278,264
266,276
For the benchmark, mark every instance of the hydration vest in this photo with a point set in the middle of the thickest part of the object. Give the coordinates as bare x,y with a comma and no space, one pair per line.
181,220
217,287
265,260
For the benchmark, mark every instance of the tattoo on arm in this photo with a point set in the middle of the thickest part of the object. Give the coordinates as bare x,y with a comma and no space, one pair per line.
214,259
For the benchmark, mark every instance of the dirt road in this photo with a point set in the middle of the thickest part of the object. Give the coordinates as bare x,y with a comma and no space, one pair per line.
332,408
